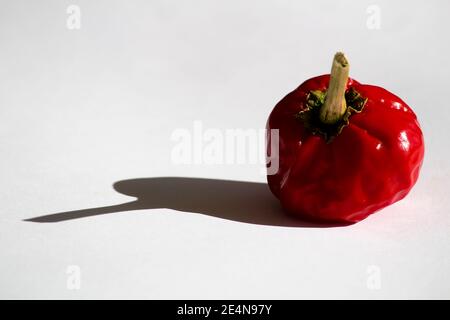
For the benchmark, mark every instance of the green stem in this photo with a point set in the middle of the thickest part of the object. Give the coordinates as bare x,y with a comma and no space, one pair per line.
334,107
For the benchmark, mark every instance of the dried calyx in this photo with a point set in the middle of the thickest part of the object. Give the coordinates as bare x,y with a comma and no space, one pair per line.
328,112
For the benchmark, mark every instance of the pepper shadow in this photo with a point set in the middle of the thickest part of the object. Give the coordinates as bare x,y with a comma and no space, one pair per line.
248,202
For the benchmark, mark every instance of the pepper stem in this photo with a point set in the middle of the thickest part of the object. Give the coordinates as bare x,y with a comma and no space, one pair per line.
335,106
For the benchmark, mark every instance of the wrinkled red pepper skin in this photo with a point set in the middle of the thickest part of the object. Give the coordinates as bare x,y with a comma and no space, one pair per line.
372,163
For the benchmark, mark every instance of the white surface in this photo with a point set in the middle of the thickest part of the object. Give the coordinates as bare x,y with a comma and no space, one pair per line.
82,109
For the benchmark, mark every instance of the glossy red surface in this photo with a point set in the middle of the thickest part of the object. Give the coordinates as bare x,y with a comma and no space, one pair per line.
374,162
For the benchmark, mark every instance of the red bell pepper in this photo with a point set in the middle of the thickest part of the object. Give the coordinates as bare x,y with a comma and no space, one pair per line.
346,149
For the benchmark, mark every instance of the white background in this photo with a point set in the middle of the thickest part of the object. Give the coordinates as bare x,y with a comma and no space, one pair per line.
83,109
